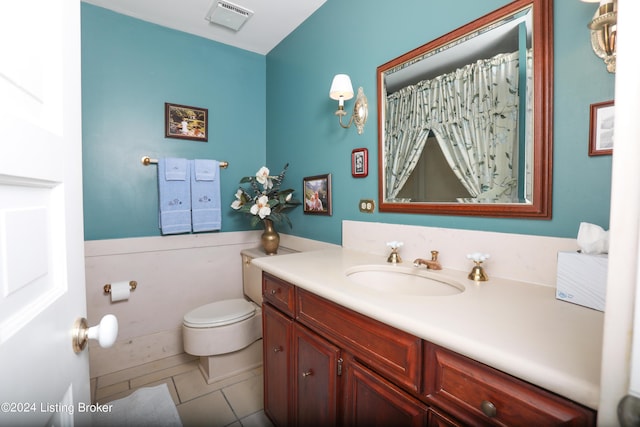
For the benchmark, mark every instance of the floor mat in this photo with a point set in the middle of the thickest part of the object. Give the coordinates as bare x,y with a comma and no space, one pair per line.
148,406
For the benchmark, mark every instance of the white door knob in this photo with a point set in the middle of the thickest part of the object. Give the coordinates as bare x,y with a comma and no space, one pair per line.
106,332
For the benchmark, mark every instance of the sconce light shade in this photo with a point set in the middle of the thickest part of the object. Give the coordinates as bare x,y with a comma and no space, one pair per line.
341,88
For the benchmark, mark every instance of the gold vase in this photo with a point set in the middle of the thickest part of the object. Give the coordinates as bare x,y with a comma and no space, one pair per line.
270,238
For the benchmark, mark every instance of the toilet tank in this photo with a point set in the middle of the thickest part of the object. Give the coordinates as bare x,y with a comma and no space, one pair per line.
252,275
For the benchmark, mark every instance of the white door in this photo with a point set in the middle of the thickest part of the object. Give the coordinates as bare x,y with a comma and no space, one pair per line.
42,380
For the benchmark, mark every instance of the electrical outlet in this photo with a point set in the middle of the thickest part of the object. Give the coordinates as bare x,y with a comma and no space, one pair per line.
367,205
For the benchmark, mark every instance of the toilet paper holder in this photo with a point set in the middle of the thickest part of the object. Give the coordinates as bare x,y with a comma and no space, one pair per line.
132,286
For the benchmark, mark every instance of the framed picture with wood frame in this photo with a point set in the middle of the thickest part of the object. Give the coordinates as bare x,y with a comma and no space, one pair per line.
601,119
185,122
360,162
317,194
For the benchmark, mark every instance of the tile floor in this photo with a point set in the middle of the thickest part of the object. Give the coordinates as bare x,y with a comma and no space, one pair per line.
235,401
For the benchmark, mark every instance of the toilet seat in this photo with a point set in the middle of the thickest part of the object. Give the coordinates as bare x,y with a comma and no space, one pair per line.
220,313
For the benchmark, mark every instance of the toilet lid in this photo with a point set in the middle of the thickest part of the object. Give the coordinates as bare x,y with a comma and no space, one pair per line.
219,313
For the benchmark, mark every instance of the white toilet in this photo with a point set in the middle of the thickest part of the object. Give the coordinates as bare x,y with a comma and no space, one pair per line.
227,334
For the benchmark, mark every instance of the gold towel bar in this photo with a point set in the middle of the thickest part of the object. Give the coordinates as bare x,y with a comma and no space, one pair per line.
146,160
132,285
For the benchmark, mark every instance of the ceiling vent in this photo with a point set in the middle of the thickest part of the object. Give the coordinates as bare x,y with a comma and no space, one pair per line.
228,15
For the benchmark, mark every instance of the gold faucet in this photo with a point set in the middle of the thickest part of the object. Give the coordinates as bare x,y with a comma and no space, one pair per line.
432,264
394,258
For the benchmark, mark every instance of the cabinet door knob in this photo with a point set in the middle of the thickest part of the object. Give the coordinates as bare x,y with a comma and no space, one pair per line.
307,374
273,291
277,349
488,408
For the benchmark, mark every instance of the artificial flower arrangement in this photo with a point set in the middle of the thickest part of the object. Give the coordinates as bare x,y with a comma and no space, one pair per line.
268,202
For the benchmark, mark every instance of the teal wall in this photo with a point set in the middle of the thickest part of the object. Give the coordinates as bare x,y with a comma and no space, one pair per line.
130,68
277,108
355,37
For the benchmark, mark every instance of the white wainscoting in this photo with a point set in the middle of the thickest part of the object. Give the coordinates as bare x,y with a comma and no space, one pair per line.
174,273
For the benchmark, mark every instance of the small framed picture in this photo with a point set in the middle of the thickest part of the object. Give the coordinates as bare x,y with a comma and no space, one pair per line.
360,162
317,194
184,122
601,128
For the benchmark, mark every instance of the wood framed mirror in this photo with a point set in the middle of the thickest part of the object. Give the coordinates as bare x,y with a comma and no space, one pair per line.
465,122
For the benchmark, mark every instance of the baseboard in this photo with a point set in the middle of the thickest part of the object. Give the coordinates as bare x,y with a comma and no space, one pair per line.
133,352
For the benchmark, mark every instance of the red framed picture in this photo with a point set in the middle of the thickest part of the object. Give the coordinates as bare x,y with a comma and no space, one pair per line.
360,162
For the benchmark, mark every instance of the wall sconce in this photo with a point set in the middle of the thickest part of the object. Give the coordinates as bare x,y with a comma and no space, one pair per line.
603,31
341,90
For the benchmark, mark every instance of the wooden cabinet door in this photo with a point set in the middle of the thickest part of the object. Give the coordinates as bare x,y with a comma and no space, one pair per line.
436,419
277,354
315,379
370,400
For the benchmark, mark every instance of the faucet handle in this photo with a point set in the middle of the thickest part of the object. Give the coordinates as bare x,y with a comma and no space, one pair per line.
477,272
394,244
478,257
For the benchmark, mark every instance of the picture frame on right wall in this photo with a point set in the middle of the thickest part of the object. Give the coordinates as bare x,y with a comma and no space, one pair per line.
360,162
317,194
601,120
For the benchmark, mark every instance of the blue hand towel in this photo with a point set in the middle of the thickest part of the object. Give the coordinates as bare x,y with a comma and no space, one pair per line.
205,195
174,195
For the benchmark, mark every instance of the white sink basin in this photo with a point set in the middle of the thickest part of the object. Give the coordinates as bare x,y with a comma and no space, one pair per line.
402,280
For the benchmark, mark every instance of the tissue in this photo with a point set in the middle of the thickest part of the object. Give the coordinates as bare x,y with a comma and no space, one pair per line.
593,239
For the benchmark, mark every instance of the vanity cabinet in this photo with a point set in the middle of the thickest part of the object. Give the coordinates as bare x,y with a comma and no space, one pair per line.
342,367
325,364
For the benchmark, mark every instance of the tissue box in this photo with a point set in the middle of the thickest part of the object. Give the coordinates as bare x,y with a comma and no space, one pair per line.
582,279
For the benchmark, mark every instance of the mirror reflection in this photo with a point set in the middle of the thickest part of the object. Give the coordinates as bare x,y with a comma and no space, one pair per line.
458,119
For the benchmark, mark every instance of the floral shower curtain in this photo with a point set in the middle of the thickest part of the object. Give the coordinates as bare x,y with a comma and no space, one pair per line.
406,132
474,117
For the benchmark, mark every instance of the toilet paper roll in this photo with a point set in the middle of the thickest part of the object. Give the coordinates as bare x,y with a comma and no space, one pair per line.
120,291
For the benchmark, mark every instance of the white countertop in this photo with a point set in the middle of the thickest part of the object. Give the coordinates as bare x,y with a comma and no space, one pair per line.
515,327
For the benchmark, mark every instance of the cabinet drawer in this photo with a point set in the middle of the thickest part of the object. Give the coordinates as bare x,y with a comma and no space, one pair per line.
478,394
279,293
389,351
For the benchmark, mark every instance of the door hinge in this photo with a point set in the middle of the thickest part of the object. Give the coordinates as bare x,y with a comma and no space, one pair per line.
340,366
